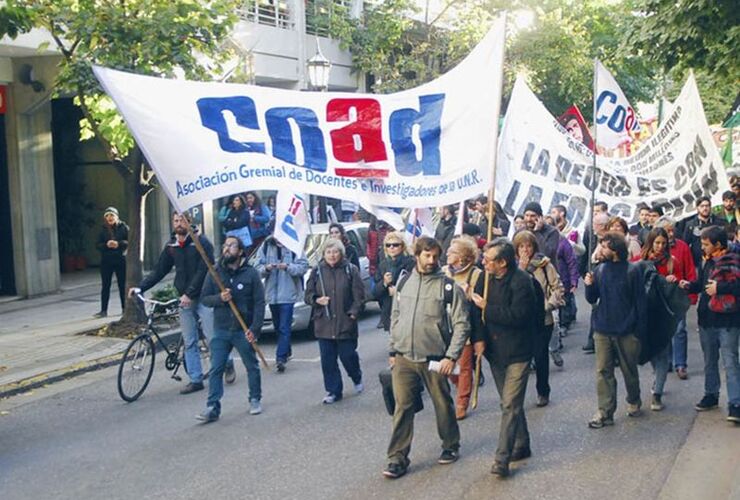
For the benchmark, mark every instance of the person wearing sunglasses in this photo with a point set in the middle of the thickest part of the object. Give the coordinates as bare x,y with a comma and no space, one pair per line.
395,263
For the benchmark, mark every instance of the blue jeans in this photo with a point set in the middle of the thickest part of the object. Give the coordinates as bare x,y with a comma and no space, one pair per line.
713,342
189,325
346,351
221,344
680,345
282,318
660,364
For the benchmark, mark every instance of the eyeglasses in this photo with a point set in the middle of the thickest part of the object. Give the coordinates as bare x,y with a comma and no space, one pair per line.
392,245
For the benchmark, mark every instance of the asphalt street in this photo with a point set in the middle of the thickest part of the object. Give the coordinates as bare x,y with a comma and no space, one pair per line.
80,440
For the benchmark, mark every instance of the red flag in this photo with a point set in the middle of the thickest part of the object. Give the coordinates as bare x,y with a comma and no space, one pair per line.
576,126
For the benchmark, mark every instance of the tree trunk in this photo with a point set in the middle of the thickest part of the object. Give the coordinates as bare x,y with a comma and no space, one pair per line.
137,188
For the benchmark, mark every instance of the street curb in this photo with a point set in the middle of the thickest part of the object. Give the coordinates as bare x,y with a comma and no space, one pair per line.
51,377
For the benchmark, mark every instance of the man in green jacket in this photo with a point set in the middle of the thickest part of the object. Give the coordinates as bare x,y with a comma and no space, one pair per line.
424,331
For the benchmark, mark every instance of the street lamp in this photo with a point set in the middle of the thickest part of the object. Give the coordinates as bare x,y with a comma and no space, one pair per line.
319,68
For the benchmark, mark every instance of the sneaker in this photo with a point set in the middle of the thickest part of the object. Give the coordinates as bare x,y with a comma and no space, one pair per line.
359,388
192,387
255,408
634,410
556,358
280,367
682,373
329,399
543,401
708,402
229,373
588,348
733,414
380,325
599,420
500,469
448,457
394,470
208,415
521,454
101,314
657,403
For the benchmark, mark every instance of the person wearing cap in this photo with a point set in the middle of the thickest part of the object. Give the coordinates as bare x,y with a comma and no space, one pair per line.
112,244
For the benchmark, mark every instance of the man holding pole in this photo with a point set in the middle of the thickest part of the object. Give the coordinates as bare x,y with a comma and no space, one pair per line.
243,286
190,271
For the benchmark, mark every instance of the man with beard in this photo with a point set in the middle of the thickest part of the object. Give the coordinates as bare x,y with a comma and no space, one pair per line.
244,287
696,224
190,271
423,331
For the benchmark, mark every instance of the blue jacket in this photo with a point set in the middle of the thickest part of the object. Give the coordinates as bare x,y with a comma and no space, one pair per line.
281,286
619,292
247,293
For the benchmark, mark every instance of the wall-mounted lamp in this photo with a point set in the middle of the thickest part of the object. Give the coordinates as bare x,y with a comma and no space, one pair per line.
27,77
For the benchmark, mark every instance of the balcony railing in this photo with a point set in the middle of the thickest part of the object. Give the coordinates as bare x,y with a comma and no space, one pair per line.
319,15
275,13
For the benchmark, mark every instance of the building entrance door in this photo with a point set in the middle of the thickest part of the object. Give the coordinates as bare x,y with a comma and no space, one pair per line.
7,274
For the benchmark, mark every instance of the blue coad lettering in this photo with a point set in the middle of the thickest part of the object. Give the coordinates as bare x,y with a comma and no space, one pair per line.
312,139
611,96
212,116
288,227
401,127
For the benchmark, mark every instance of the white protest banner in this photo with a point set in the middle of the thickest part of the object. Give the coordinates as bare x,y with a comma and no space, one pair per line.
408,149
614,116
539,161
420,223
291,221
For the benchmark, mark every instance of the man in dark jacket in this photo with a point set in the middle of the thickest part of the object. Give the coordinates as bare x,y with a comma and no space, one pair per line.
446,230
693,226
719,319
548,237
618,290
503,326
244,287
190,271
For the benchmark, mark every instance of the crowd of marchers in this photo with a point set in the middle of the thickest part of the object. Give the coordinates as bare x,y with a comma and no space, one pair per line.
449,301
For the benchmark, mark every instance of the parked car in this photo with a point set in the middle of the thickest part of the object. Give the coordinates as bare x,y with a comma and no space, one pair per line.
357,234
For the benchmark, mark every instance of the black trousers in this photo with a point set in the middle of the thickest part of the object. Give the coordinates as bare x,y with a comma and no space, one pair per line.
107,268
542,361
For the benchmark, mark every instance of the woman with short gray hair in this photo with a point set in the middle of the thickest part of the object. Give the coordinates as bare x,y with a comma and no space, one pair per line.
335,293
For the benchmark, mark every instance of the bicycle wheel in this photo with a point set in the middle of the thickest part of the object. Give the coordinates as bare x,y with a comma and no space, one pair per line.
136,368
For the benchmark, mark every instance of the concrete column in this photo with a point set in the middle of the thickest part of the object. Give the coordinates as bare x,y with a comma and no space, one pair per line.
299,18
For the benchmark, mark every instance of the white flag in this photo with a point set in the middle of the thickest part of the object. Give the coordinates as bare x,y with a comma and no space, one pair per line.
614,116
291,221
395,219
460,219
420,223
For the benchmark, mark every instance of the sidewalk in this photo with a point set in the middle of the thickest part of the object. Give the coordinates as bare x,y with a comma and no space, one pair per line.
39,337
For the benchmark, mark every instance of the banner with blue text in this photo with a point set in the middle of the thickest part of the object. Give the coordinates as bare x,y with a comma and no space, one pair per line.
428,146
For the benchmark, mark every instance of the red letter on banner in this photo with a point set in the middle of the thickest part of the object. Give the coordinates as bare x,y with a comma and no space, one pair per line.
363,138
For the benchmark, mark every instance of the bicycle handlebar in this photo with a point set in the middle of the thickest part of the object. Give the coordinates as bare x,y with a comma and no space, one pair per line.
157,302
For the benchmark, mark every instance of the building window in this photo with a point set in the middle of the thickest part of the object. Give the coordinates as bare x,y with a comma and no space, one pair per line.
268,12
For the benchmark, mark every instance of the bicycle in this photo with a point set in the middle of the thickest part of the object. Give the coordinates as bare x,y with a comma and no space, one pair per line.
137,364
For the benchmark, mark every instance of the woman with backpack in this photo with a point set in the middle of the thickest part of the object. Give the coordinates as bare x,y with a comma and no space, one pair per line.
335,293
546,275
462,256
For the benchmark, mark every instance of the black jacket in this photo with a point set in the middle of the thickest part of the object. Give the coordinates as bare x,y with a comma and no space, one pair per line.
548,239
236,219
692,234
443,234
247,293
619,293
119,232
510,312
380,292
190,270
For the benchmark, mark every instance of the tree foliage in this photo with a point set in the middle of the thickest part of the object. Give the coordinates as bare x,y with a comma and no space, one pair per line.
164,38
